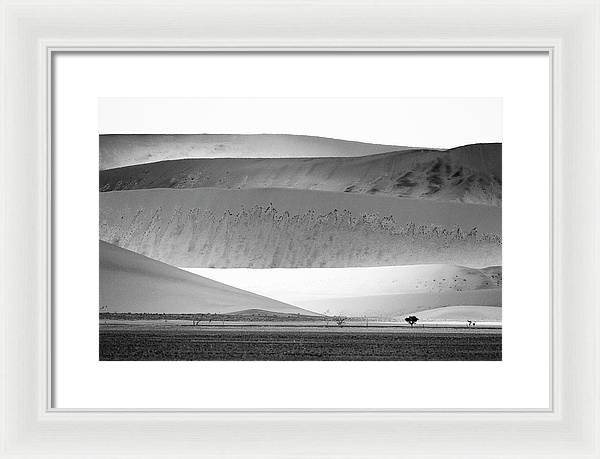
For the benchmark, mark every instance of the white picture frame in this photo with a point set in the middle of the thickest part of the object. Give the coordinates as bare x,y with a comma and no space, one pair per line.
32,31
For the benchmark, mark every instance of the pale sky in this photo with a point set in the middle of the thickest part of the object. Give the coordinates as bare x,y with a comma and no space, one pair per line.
418,122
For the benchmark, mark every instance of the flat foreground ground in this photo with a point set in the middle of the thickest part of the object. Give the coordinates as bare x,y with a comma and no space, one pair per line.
243,342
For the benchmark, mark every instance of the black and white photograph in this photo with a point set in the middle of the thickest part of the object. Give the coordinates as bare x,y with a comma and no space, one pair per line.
340,229
273,245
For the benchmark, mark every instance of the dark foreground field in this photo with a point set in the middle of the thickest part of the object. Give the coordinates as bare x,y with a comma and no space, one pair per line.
296,343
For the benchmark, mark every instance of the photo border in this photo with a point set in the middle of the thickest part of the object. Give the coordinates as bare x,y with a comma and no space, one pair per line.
489,403
52,52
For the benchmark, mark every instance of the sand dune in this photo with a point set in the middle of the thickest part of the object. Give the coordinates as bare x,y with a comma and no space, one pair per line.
120,150
270,228
388,292
130,282
393,306
262,312
462,313
306,284
471,173
494,273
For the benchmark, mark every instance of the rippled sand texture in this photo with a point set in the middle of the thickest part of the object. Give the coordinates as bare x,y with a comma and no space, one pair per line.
301,229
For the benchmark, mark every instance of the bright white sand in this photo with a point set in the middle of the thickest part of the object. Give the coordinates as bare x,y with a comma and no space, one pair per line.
398,305
307,284
480,314
375,291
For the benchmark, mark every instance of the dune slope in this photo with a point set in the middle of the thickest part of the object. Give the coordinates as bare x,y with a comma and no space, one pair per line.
471,174
462,313
130,282
118,150
393,306
305,284
494,273
283,228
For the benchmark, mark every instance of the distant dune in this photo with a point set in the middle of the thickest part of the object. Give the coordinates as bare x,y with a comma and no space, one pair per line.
262,312
494,273
443,292
470,173
118,150
130,282
270,228
305,284
393,306
462,313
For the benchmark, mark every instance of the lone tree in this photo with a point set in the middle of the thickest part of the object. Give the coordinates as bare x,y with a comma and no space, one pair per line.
412,320
340,320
